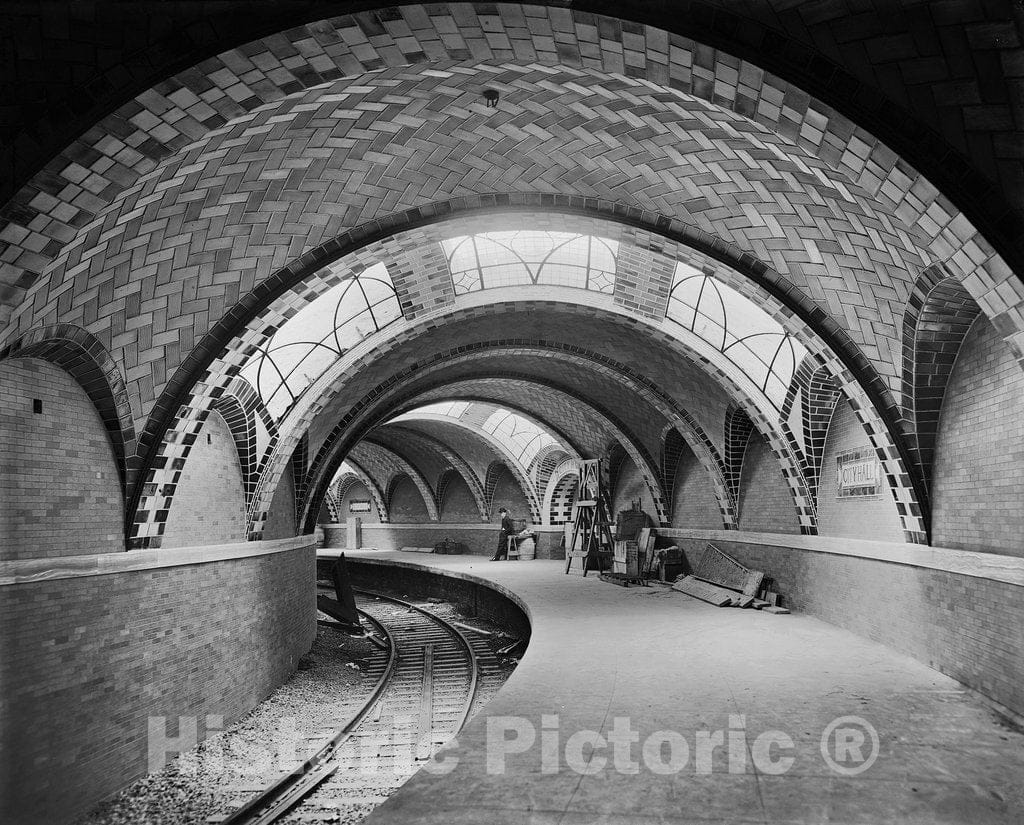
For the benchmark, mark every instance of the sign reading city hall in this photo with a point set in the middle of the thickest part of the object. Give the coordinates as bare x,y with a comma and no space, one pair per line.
858,474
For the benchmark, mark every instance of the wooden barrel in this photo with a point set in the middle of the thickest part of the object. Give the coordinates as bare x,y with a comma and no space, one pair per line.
527,549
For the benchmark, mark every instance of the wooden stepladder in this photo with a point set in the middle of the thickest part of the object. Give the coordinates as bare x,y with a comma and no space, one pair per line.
591,519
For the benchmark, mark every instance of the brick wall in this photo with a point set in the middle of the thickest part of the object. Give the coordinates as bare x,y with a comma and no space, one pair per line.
630,486
966,627
766,504
281,516
459,504
865,518
59,485
209,502
87,660
978,476
508,494
694,504
357,492
406,503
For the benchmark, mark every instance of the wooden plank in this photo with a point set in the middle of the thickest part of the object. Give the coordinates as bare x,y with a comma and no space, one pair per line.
710,593
426,723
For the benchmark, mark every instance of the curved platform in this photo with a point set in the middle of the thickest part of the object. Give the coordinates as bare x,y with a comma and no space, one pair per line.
720,715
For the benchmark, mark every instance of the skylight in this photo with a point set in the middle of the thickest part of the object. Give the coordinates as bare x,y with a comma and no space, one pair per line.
734,325
515,434
521,437
318,335
497,259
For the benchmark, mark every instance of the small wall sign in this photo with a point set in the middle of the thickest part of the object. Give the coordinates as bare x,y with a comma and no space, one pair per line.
858,474
358,505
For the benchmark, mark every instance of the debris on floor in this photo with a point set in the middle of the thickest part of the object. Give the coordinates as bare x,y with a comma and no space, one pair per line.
722,581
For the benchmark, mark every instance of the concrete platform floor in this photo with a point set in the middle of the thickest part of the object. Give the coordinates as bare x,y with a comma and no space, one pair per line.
665,662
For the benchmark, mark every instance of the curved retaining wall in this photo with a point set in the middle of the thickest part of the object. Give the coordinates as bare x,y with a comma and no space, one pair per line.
957,611
470,595
94,647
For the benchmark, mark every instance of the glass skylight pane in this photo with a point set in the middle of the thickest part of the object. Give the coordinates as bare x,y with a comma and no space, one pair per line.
603,254
279,402
563,275
683,303
744,358
526,257
318,334
386,311
286,357
710,330
744,316
349,304
376,284
311,323
268,378
776,391
602,282
736,326
764,346
355,330
784,366
711,305
461,248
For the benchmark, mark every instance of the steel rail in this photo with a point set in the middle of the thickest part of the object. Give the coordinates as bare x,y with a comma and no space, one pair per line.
474,675
284,793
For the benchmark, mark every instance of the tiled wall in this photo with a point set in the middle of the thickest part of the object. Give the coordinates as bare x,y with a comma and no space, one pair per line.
630,487
357,492
766,504
406,503
508,494
87,660
209,503
964,626
281,518
867,518
695,505
458,505
60,494
978,476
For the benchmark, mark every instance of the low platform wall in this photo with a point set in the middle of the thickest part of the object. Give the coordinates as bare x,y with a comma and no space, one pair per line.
470,596
956,611
480,539
93,647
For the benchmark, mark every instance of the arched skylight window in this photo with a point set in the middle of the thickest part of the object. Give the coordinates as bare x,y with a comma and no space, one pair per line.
522,437
320,333
734,325
517,435
496,259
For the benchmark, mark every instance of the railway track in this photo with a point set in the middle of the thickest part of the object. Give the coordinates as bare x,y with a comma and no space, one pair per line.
429,681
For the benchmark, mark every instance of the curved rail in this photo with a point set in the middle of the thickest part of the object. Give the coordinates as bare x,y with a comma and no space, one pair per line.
282,795
289,790
474,674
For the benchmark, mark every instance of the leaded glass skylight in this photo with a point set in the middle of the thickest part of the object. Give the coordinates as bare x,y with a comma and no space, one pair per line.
734,325
516,434
319,334
521,437
496,259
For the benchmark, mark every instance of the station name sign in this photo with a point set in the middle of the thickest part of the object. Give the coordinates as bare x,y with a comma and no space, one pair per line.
858,474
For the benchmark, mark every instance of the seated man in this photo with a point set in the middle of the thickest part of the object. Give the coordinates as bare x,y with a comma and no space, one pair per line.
506,530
